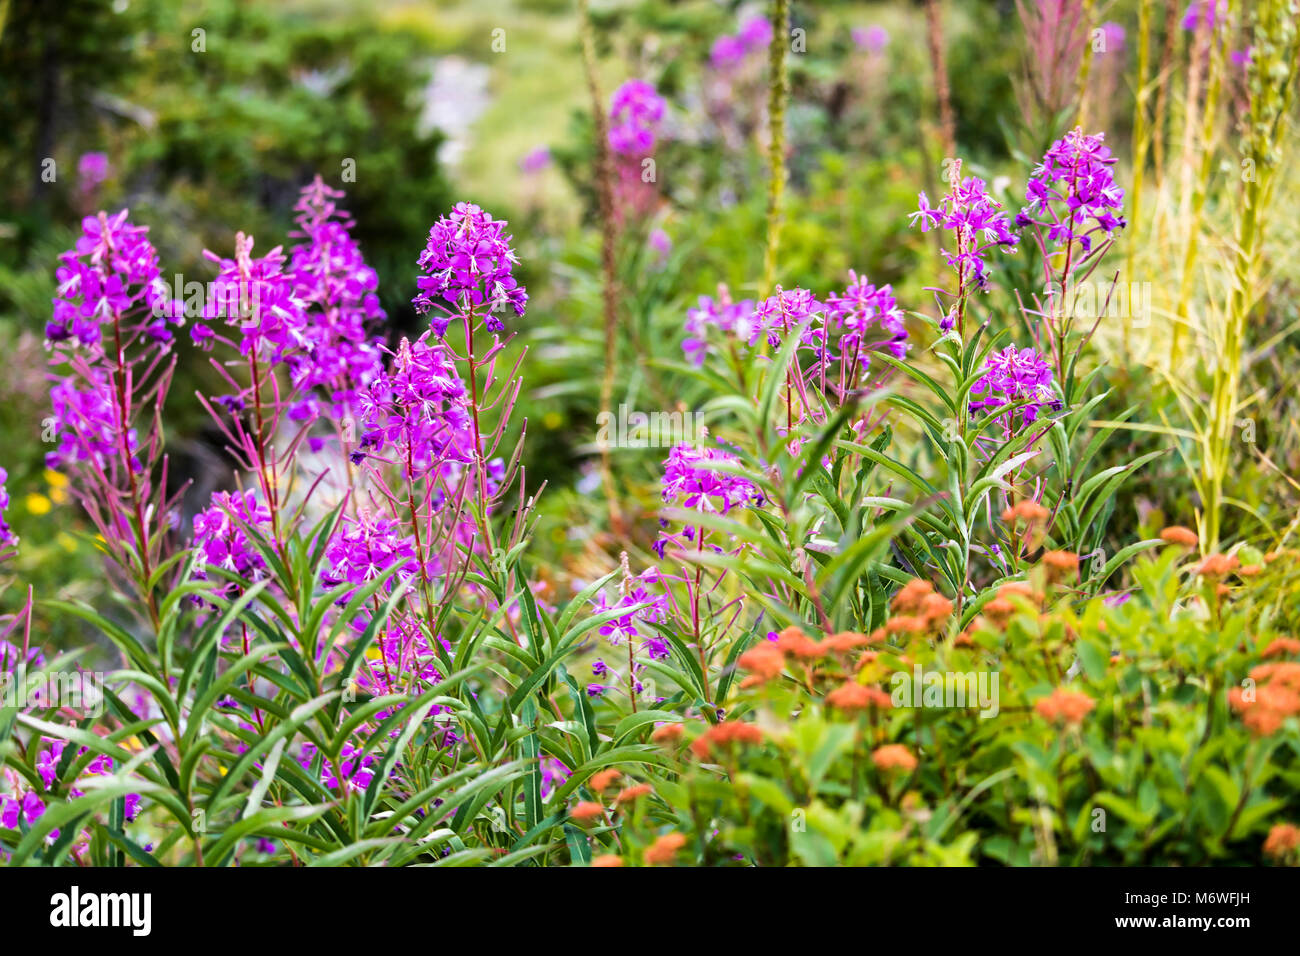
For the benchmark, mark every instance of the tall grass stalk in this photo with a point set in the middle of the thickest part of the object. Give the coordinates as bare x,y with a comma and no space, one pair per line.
777,92
608,242
1272,76
1141,144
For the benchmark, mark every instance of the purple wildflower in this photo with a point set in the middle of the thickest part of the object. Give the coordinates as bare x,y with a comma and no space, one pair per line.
337,292
873,39
973,216
222,542
1012,377
691,480
260,299
7,537
1072,192
366,547
92,169
536,160
420,407
468,263
112,276
635,111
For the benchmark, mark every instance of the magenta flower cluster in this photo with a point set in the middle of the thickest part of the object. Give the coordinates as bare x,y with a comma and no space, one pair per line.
337,292
635,111
1072,192
976,222
1012,377
221,541
418,408
468,264
258,299
853,317
365,548
7,537
693,480
730,51
111,276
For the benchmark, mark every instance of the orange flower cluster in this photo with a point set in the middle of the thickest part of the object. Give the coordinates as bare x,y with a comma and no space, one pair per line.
766,661
1281,647
918,609
664,849
1283,839
668,733
602,780
1026,511
607,859
1177,534
893,757
723,734
1000,609
1061,565
853,697
1217,566
586,810
629,794
1063,706
1275,697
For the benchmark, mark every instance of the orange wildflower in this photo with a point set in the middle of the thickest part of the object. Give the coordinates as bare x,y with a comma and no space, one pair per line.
601,780
628,794
764,661
794,641
1065,706
893,757
906,624
587,811
1217,566
1281,646
911,594
852,696
1177,534
668,733
1284,838
1025,511
664,849
1060,564
607,859
845,641
727,732
936,608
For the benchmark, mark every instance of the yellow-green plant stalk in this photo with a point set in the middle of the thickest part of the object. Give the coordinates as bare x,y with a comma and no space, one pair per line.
1085,66
1163,78
608,239
1209,49
1271,76
777,92
942,93
1141,142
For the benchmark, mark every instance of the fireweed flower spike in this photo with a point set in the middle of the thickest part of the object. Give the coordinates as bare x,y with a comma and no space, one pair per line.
1014,377
468,265
977,225
337,291
8,540
635,114
1074,212
110,334
1072,193
635,110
